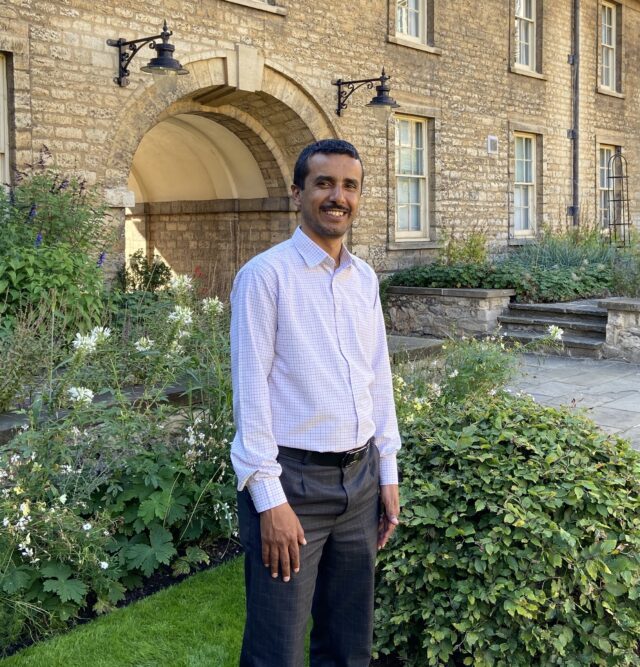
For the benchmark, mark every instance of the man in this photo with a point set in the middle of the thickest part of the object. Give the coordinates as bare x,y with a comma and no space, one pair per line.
316,442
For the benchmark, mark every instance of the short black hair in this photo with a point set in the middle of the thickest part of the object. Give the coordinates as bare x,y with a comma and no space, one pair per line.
326,147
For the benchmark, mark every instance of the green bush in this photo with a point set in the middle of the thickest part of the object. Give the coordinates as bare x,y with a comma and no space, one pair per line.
111,482
519,543
531,284
68,282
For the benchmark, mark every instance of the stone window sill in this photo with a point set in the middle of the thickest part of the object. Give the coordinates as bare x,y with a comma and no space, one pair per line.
395,39
609,92
521,240
516,69
414,244
262,6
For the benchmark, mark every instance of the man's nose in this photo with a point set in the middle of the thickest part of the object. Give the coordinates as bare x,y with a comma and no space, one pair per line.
339,195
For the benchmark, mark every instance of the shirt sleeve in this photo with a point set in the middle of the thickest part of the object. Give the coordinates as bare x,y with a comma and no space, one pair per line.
384,411
253,331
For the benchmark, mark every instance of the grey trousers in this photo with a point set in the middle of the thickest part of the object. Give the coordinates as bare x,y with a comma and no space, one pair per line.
338,509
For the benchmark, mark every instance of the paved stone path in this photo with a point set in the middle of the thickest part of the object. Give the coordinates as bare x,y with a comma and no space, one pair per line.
608,391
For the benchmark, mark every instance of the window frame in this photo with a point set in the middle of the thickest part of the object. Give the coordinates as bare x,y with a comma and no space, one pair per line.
5,171
611,48
532,21
422,234
423,22
530,231
603,191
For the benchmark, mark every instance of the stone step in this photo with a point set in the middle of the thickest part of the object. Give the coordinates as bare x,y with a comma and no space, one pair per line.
572,346
586,312
411,348
575,327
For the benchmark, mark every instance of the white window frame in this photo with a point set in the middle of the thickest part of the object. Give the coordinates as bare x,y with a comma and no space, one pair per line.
404,11
608,46
419,163
5,174
524,185
522,21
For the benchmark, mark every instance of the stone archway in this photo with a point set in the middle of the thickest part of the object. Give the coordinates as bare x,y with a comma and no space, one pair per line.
210,159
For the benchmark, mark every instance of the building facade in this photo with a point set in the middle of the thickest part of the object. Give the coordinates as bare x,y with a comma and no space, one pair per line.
507,123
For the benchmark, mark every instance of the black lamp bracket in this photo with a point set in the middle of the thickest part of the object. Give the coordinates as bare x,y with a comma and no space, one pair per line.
127,49
347,88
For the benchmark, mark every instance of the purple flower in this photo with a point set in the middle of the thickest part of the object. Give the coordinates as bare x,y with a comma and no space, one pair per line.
101,259
38,241
64,185
32,212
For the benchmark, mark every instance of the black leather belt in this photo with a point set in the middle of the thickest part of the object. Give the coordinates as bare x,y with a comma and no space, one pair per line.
338,459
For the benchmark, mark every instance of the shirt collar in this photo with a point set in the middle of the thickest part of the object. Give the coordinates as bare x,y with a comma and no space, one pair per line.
314,255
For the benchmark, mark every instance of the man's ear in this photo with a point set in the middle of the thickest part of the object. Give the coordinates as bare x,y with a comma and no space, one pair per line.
295,195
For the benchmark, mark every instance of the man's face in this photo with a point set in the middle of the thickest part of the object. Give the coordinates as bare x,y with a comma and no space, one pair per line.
329,201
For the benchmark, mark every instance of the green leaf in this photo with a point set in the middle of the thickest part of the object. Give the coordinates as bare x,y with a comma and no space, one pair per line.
66,589
15,579
147,557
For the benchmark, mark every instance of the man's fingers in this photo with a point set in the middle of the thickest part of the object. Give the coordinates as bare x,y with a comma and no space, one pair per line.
285,565
294,555
274,563
266,557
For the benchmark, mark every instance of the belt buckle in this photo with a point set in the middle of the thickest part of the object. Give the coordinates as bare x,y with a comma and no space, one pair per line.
349,459
353,456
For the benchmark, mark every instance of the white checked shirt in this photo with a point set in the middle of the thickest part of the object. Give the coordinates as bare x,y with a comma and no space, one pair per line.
310,365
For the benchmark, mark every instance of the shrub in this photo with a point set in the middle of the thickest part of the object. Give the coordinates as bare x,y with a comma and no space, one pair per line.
70,283
519,543
532,284
112,483
143,275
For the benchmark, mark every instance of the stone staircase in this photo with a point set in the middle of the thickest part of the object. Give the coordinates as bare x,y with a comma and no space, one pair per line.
583,322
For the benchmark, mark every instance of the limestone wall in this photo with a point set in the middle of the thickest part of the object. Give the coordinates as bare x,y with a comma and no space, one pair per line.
269,69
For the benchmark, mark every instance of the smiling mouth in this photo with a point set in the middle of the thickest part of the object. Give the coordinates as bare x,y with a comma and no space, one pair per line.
336,213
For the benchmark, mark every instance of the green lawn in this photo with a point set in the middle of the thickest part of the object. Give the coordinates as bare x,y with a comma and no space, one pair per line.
197,623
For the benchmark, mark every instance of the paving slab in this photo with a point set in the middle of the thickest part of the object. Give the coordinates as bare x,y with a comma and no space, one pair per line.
607,391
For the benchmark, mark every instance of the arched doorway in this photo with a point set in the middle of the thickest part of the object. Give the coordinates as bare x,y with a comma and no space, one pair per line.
211,173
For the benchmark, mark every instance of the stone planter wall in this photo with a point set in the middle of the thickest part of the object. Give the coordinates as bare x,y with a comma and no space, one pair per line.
423,311
623,329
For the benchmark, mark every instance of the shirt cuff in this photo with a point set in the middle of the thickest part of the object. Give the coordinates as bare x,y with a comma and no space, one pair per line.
388,469
266,493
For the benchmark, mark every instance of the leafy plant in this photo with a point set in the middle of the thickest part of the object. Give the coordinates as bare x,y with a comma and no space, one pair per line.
142,275
520,540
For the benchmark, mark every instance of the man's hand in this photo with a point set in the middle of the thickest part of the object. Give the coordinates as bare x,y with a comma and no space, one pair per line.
390,499
281,535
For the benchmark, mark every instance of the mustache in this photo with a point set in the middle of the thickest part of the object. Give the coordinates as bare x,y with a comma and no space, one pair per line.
335,207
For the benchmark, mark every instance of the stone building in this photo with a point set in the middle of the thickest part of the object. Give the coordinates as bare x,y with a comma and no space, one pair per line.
506,122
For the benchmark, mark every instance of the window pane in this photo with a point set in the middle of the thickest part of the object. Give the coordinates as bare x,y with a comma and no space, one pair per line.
410,175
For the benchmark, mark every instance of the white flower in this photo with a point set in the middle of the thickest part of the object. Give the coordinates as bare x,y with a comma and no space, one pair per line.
212,306
454,374
84,343
435,388
104,565
86,526
143,344
492,392
182,315
81,395
63,498
100,334
181,283
5,522
555,333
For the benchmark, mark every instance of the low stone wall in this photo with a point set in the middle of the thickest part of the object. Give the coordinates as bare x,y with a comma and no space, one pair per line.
623,329
426,311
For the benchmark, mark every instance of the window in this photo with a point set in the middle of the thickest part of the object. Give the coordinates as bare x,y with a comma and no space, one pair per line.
525,14
411,19
609,46
607,185
524,192
411,177
5,175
